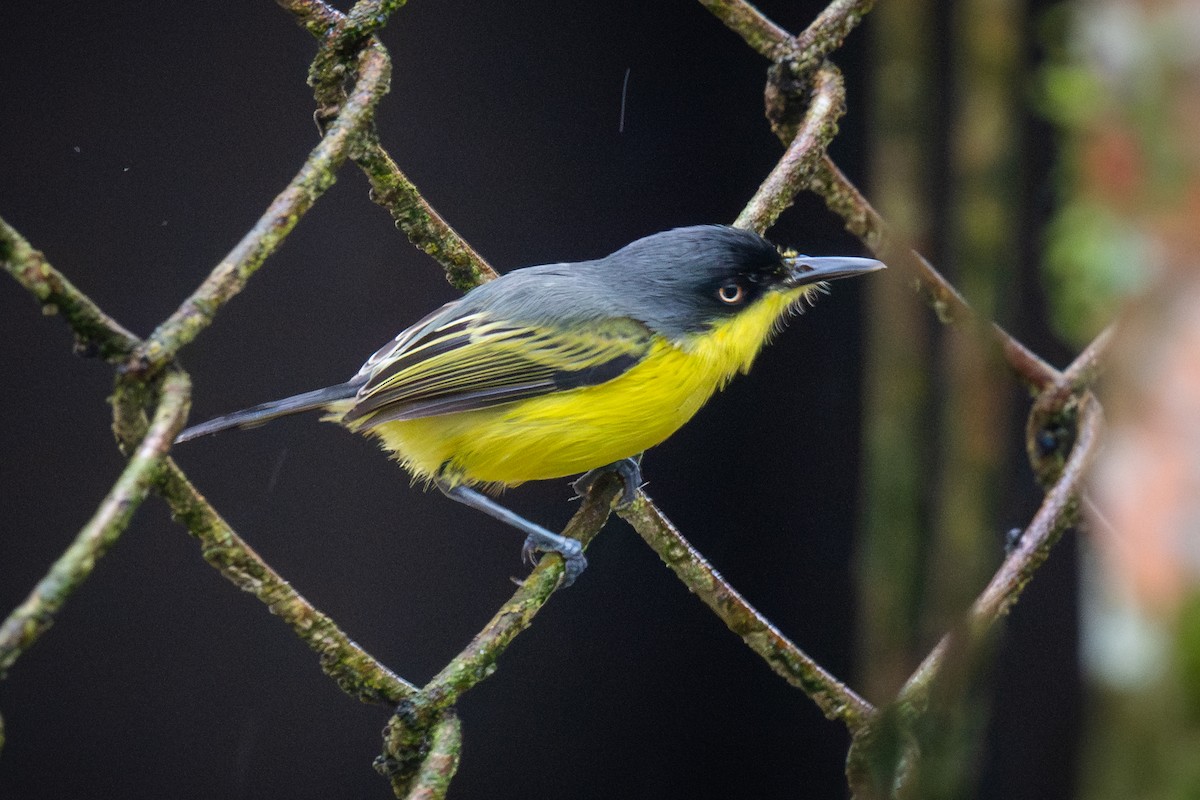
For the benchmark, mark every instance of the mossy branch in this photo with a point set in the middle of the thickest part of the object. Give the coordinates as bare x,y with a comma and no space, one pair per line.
1059,510
407,733
390,187
314,178
827,33
756,30
95,332
354,670
794,171
36,614
432,780
803,53
835,699
862,220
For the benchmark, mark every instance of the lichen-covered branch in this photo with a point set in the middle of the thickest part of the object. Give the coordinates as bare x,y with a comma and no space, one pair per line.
827,32
800,160
314,178
1052,418
752,25
418,220
352,668
35,615
804,53
432,780
314,16
390,187
1058,511
835,699
844,199
95,332
339,44
408,730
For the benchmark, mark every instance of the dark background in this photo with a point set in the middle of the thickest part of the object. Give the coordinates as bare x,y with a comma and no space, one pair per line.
141,140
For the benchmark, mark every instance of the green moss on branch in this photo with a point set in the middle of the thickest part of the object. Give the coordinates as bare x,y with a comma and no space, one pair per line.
95,332
835,699
314,178
35,615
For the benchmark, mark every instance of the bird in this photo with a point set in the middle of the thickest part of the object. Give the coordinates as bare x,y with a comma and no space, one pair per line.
554,370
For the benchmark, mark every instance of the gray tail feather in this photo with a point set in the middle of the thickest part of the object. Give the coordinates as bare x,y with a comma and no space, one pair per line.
260,414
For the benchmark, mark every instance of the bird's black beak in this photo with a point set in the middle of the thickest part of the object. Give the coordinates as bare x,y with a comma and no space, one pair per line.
805,270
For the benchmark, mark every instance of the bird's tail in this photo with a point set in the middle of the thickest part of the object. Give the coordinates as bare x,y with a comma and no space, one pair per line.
261,414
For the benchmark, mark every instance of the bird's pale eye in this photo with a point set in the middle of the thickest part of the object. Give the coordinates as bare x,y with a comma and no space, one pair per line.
732,294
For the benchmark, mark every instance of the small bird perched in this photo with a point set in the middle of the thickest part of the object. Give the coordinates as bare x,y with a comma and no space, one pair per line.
561,369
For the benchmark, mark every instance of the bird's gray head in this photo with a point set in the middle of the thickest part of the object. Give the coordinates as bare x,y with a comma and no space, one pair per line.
683,280
676,282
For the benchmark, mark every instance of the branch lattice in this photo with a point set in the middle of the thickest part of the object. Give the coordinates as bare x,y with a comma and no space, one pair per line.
349,76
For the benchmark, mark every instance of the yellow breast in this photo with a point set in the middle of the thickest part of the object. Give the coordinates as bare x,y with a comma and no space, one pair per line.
566,433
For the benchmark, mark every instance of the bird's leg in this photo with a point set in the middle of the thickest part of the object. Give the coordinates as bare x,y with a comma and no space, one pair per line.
537,538
630,472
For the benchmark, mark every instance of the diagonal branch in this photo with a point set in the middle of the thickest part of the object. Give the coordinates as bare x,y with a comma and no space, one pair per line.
1057,512
418,220
390,187
314,178
844,199
835,699
752,25
35,615
795,170
354,670
432,780
95,331
407,730
827,32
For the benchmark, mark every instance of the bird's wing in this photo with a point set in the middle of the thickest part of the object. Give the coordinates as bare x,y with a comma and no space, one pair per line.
476,361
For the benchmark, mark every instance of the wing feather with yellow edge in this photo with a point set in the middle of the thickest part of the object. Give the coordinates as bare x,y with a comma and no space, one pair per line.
475,361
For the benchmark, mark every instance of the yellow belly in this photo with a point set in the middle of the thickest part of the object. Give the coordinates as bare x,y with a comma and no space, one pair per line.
566,433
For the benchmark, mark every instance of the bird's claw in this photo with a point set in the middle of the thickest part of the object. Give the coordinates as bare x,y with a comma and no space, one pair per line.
628,469
574,561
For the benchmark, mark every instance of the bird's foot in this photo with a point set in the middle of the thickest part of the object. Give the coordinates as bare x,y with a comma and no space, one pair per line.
574,561
630,472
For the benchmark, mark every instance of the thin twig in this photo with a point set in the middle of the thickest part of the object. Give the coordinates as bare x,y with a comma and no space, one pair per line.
1047,428
799,162
752,25
36,614
418,220
432,781
95,331
1058,511
352,668
314,178
407,730
835,699
390,187
827,32
844,199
